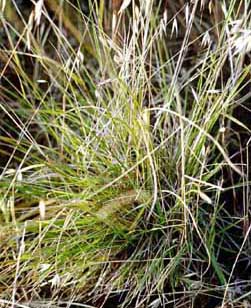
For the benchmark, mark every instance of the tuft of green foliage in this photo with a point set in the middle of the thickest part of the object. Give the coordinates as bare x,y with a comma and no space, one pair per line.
122,178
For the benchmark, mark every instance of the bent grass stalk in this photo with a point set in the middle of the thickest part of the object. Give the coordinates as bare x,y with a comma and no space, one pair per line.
115,178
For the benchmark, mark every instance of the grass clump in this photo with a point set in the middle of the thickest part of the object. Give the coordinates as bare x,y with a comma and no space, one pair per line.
122,180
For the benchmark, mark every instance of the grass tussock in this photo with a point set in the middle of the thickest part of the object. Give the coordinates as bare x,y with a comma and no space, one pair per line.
124,152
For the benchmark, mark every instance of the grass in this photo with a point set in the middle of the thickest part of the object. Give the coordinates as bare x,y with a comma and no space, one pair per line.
125,171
